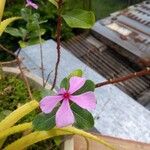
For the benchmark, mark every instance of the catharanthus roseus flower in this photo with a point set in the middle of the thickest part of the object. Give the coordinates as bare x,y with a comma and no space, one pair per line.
64,115
31,4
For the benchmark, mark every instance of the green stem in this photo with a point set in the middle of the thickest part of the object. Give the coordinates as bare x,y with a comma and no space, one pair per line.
41,55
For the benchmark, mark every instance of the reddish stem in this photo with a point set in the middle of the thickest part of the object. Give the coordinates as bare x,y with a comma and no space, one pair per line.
124,78
59,22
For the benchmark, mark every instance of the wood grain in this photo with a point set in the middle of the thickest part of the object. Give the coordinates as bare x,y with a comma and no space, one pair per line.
119,144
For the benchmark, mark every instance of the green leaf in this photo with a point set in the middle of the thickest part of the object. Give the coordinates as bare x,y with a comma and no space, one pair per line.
25,13
32,26
84,119
24,32
77,73
58,140
78,18
64,83
54,2
36,33
23,44
46,92
88,86
6,22
44,121
13,31
30,42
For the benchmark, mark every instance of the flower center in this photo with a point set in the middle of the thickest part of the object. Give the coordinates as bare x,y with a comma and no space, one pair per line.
66,95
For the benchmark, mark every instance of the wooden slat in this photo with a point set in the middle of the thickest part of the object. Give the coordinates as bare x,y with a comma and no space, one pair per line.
136,45
120,144
107,63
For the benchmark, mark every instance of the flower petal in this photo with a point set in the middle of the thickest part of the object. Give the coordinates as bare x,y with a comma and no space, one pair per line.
75,84
64,115
86,100
30,3
62,91
48,103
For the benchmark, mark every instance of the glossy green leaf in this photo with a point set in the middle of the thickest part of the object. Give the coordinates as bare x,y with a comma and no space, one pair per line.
88,86
64,83
44,121
84,119
54,2
77,73
78,18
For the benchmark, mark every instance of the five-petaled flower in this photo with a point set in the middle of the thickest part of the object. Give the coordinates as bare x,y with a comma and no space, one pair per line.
31,4
64,115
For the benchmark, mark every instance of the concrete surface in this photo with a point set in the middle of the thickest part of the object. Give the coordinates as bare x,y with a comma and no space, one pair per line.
116,114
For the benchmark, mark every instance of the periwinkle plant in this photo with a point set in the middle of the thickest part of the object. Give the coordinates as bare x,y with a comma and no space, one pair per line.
72,103
70,106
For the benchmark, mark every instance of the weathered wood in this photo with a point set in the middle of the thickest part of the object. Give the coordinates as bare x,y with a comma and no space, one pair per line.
135,44
106,62
120,144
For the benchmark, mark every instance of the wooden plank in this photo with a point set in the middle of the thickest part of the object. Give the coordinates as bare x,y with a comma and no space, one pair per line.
134,24
127,48
120,144
106,62
143,10
130,30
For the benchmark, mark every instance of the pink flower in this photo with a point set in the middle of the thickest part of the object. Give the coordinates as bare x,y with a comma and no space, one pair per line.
31,4
64,115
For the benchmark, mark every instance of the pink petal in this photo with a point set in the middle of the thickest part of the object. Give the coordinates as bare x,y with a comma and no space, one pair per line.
48,103
64,115
30,3
34,5
75,84
62,91
86,100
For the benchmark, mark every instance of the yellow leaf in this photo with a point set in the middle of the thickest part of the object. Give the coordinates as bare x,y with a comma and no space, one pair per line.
2,5
43,135
16,115
34,138
6,22
37,136
15,129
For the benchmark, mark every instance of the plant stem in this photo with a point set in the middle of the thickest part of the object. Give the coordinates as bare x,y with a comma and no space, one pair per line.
20,68
59,22
41,55
124,78
48,76
42,66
